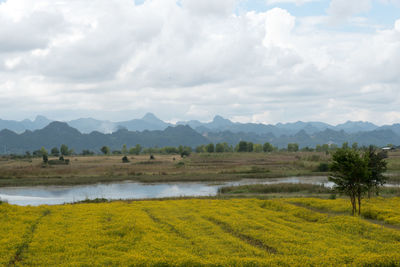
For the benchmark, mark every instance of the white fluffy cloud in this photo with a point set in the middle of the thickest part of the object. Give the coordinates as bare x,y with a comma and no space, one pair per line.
190,59
397,25
278,25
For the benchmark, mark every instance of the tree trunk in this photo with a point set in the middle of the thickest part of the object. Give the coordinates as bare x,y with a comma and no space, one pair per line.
353,204
359,204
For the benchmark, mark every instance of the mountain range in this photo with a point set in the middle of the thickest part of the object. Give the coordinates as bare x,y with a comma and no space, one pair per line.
149,131
218,124
58,133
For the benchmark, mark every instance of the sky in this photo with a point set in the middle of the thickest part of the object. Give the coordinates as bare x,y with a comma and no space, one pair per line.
263,61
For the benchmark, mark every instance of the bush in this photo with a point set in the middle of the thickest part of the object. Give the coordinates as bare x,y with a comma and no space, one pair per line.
45,158
125,159
323,167
180,164
314,158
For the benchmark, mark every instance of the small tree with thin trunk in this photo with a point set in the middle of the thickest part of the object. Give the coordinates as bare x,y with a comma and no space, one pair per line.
350,175
377,166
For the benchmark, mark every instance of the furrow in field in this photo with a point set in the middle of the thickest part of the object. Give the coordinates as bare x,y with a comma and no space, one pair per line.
27,239
245,238
161,222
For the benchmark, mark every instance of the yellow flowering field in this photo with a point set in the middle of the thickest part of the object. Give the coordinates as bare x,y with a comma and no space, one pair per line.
378,208
197,232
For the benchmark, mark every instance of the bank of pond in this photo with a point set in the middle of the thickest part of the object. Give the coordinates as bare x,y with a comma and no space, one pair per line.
273,187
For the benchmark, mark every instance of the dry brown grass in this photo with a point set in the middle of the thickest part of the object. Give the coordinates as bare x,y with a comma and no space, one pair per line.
197,167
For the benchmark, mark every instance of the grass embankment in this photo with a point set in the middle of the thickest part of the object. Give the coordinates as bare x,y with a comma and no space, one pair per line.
285,189
198,232
212,167
275,188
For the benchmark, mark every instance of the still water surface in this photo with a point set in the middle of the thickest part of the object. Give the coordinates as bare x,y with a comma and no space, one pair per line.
39,195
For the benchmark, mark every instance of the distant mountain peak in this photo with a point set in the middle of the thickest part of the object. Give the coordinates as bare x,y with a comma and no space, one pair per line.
219,118
59,126
150,117
41,118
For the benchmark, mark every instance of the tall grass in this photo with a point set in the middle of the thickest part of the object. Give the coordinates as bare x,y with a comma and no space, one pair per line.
275,188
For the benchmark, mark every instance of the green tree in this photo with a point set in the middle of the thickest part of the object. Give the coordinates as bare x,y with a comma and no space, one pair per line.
242,146
267,147
210,148
105,150
258,148
325,148
87,152
377,166
293,147
250,147
200,149
350,175
43,151
64,150
219,148
124,150
55,152
227,148
44,154
185,151
135,150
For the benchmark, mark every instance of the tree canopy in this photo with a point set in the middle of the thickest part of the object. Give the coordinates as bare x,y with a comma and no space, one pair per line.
355,173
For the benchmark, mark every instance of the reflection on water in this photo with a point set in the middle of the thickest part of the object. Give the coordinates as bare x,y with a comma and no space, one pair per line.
38,195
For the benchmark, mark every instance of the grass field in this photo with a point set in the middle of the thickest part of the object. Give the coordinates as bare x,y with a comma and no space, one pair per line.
202,232
198,167
169,168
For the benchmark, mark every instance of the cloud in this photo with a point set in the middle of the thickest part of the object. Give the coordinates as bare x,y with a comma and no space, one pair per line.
278,25
113,59
297,2
397,25
341,10
209,7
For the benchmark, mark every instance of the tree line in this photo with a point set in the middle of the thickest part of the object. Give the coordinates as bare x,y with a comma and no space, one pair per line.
223,147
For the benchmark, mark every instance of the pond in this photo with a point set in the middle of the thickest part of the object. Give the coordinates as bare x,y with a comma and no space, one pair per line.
51,195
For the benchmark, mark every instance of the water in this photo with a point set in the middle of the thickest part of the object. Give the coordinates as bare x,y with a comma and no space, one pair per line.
52,195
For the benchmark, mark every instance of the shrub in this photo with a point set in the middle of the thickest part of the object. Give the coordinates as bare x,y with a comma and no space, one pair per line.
125,159
323,167
45,158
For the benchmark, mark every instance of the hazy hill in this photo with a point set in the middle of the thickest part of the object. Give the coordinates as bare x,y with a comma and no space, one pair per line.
379,137
218,124
88,125
21,126
150,131
148,122
57,133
